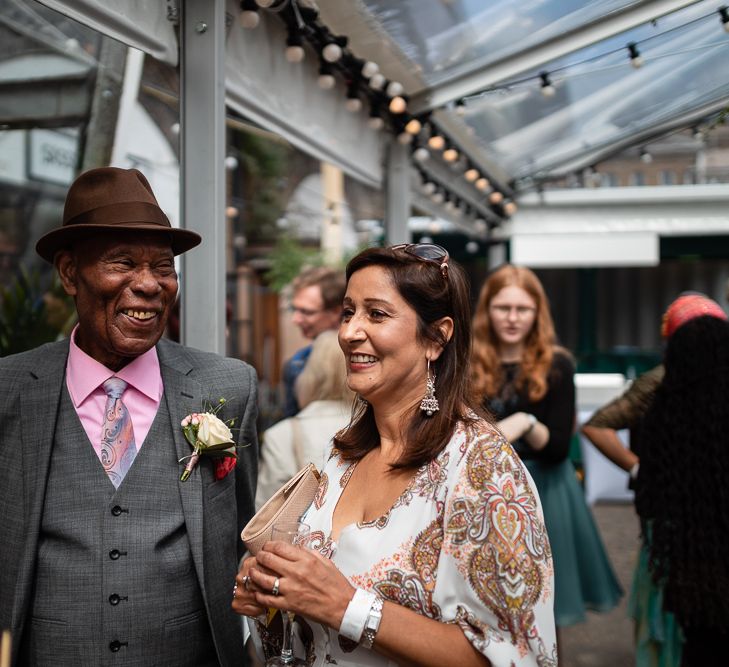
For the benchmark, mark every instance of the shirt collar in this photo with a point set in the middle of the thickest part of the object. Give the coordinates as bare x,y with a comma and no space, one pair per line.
84,374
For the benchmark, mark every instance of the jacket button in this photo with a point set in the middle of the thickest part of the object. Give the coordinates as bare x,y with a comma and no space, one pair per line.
114,646
114,554
114,600
116,511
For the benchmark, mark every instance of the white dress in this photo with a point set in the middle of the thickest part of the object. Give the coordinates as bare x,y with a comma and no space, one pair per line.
465,543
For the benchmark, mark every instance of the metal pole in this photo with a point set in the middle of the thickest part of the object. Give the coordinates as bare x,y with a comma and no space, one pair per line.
202,174
397,196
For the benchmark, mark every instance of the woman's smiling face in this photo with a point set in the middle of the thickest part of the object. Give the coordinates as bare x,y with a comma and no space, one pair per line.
386,361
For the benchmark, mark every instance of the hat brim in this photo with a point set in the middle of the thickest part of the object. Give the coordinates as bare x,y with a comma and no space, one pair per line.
62,238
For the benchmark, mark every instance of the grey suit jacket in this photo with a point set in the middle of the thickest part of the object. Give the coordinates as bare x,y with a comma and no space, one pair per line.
215,510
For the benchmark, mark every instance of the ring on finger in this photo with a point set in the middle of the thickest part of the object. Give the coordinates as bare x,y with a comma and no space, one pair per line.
276,582
235,590
246,580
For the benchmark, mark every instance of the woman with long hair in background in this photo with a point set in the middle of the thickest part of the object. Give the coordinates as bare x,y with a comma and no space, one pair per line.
526,380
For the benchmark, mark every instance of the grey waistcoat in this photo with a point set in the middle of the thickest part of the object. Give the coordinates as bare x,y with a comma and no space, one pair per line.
115,582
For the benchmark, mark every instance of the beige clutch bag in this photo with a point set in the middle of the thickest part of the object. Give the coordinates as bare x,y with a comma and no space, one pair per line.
287,504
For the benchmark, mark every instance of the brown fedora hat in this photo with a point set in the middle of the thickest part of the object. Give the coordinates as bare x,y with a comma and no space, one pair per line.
110,199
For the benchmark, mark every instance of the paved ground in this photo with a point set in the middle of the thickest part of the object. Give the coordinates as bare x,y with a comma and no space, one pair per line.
606,640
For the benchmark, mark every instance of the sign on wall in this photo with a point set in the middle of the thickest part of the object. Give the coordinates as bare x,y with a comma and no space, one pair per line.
53,155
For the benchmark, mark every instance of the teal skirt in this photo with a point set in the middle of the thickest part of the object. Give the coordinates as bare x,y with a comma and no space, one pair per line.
583,576
658,638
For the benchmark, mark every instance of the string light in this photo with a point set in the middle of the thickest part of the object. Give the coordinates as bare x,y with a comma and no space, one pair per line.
645,156
438,197
496,197
369,69
450,154
353,103
326,77
724,14
377,81
249,17
404,138
429,187
510,208
398,105
375,121
394,89
471,174
294,47
482,184
332,52
436,142
547,87
635,58
413,126
421,154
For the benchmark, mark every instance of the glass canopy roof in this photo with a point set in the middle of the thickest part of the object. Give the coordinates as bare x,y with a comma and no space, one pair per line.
600,102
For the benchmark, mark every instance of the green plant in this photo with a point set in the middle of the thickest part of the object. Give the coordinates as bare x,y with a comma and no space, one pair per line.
288,258
31,316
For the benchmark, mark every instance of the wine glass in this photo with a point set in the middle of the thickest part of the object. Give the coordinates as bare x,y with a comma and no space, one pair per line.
296,533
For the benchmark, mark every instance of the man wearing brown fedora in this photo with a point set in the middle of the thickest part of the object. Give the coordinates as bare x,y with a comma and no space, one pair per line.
108,558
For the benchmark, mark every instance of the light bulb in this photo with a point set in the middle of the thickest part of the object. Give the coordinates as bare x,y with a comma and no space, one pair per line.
353,104
369,69
436,142
450,154
482,183
428,187
438,197
645,156
547,87
635,58
398,105
376,122
496,197
332,52
377,81
421,154
175,128
231,212
326,81
394,89
472,247
404,138
471,174
249,19
294,54
231,162
510,208
413,126
479,224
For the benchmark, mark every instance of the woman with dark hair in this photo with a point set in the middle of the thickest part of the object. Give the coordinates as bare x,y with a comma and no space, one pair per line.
526,380
681,491
428,545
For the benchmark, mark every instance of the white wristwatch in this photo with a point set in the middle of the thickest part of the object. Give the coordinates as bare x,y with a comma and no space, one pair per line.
373,623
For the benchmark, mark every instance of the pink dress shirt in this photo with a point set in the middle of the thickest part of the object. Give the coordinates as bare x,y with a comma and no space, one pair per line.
85,377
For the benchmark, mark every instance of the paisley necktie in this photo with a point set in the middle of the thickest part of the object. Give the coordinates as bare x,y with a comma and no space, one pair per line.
117,436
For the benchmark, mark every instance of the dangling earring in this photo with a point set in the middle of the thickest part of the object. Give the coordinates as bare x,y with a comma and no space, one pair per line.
429,404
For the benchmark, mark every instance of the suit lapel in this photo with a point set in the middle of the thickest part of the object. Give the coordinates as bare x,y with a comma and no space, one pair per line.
40,398
183,396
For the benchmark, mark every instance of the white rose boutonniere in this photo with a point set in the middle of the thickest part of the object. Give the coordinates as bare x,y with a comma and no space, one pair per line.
210,436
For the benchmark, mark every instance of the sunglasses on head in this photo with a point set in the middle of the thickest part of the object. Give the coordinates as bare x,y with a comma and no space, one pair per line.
427,252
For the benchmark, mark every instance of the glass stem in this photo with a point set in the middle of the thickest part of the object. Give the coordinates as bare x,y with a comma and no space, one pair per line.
287,648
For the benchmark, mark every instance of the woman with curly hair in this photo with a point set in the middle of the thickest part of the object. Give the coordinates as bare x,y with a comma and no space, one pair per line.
681,488
526,381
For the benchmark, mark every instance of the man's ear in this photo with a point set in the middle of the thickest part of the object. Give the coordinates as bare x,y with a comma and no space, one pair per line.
65,263
445,326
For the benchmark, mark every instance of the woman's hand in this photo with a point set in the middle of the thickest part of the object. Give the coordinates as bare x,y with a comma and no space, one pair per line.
309,584
522,425
244,591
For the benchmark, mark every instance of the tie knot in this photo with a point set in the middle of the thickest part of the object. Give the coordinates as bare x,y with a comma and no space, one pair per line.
114,387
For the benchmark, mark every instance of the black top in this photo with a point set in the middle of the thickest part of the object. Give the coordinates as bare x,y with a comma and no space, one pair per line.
556,409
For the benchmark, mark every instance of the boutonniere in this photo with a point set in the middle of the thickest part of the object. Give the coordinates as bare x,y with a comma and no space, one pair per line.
209,435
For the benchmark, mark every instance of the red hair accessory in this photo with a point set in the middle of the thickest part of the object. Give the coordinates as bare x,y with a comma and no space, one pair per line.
689,307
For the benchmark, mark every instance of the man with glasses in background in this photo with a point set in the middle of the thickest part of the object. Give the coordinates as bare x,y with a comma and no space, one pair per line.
315,307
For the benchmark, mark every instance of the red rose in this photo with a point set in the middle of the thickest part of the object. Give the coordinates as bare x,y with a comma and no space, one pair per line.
224,466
